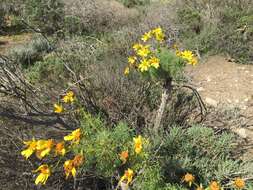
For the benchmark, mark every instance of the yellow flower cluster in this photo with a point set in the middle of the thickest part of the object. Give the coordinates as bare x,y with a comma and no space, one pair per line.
214,185
144,57
188,56
128,176
239,183
71,165
42,148
45,172
69,97
138,145
157,33
123,156
189,178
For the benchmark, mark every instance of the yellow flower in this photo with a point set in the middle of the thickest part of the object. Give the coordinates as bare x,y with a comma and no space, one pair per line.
194,61
146,36
144,65
158,33
200,187
126,71
60,149
137,144
189,178
69,168
71,165
132,60
144,51
44,147
123,156
44,174
136,47
239,183
58,108
188,55
74,136
128,176
178,53
69,97
78,160
214,186
154,62
31,148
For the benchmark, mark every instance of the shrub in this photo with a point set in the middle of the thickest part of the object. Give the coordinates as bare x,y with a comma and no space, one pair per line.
217,27
95,16
47,15
50,69
27,54
160,164
193,150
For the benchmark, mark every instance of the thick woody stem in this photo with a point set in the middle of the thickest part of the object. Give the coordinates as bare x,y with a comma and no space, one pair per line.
165,96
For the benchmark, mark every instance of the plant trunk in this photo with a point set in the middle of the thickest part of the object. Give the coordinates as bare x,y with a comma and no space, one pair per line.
165,96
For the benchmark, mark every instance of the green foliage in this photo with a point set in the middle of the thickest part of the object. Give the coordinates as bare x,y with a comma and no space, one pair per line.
152,178
165,160
102,146
27,54
50,69
217,27
171,65
192,21
199,151
47,15
73,25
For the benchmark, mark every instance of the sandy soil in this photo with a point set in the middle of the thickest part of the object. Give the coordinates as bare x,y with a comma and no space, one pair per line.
222,82
227,85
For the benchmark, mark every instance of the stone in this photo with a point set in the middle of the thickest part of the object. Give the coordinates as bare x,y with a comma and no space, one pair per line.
211,102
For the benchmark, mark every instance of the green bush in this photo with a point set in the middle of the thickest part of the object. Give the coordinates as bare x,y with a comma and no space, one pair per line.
73,25
50,69
47,15
217,27
196,150
192,21
27,54
199,151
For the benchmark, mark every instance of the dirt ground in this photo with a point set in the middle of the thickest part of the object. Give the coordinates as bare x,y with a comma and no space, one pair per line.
8,42
226,85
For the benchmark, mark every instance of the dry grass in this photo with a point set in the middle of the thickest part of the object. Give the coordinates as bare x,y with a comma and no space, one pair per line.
99,15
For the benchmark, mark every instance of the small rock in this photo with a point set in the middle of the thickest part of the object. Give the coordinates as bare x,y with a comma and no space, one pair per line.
208,79
241,132
200,89
211,102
